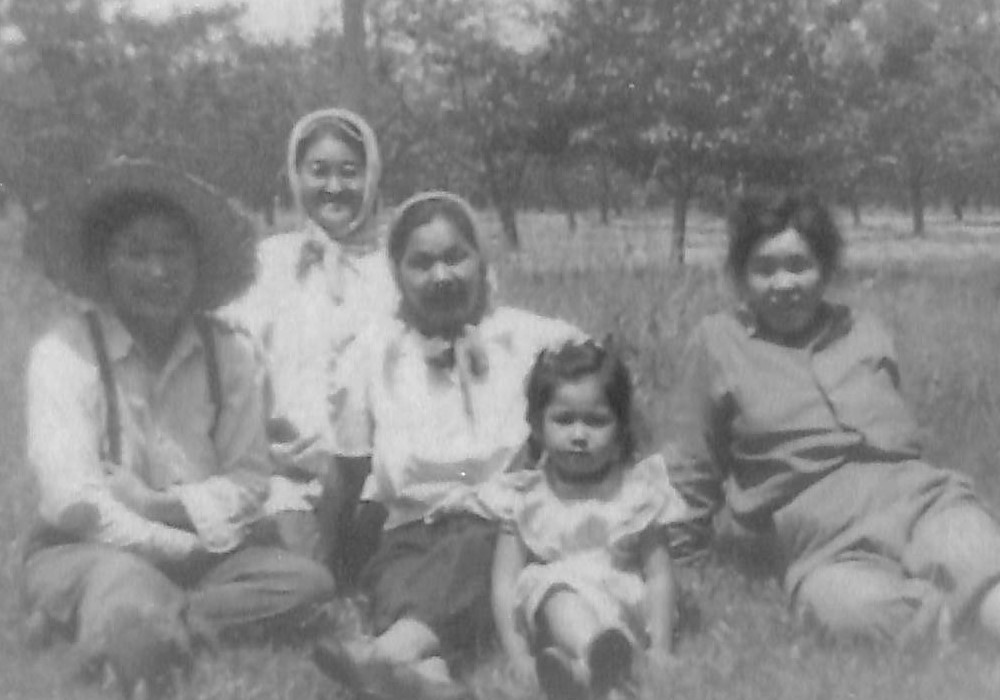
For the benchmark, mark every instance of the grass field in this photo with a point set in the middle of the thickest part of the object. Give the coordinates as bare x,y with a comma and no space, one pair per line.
939,296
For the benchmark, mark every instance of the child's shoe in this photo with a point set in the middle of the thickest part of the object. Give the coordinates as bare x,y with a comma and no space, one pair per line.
561,676
609,660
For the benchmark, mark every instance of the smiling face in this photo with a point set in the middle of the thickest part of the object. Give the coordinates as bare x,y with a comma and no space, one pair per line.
783,284
332,181
579,429
152,270
442,279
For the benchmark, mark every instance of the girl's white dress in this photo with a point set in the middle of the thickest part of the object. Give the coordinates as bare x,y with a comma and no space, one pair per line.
589,544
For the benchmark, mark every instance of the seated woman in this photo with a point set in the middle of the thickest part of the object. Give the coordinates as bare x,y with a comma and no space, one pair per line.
316,289
788,409
432,403
146,432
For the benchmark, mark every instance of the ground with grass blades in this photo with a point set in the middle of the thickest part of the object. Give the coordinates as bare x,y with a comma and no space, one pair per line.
940,296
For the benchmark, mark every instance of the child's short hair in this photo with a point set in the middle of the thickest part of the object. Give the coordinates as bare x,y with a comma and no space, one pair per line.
571,362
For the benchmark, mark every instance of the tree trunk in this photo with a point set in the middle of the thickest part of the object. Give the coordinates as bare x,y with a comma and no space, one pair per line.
508,224
504,188
853,202
958,207
355,71
555,182
916,187
678,232
604,187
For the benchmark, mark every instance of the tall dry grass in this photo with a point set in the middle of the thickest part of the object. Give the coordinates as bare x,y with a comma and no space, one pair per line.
739,641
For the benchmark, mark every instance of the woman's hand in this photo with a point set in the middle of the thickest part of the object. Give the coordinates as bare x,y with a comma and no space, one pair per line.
160,506
130,490
302,458
256,487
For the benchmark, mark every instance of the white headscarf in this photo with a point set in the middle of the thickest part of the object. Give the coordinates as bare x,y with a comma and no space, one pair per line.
359,232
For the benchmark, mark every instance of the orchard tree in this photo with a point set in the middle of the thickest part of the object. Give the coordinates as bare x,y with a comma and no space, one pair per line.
686,91
925,64
486,94
355,61
67,99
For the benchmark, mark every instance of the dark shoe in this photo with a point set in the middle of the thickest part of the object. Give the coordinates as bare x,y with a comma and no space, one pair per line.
425,680
354,664
559,676
609,659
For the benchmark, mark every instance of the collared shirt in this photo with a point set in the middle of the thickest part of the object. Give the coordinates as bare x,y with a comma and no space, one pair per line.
755,422
431,429
166,420
312,298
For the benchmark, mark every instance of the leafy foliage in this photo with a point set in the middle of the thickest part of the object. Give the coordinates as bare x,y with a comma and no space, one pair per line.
527,102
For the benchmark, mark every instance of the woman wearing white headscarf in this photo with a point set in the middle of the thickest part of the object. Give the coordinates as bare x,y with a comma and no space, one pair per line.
317,288
431,404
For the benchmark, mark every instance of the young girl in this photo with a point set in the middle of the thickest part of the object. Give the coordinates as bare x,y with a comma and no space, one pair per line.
788,409
582,575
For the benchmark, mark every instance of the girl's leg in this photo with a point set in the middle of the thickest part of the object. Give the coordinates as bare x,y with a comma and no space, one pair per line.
598,656
570,622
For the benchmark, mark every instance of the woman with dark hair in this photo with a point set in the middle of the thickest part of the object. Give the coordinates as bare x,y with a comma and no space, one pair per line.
431,403
317,289
146,432
788,410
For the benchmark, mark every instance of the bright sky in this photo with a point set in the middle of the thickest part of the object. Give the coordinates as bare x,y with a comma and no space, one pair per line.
296,19
275,19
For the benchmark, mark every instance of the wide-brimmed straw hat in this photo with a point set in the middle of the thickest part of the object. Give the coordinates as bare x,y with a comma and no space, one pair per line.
60,241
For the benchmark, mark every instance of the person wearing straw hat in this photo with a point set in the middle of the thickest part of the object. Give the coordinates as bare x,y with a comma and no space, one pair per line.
431,404
146,432
318,287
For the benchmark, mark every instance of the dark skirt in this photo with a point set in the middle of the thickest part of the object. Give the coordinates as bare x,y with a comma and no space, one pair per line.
438,573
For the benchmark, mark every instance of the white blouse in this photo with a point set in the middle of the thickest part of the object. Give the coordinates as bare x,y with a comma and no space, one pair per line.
312,298
430,429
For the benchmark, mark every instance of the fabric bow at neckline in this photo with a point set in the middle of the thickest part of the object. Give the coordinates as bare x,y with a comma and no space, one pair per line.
332,259
465,354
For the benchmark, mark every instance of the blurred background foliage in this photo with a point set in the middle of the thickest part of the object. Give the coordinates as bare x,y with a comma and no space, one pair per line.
527,104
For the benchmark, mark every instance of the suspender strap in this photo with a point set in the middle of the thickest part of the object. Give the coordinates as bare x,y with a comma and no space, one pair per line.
113,417
114,428
204,327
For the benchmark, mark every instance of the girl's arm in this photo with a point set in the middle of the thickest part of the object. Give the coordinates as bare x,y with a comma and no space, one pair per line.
509,559
661,594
